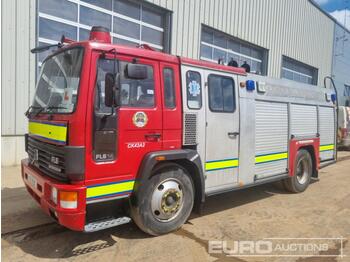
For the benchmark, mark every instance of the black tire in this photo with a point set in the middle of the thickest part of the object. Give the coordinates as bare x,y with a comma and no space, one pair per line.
148,218
303,169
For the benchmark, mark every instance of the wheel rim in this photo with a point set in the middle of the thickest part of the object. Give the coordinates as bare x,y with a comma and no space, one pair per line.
167,200
302,170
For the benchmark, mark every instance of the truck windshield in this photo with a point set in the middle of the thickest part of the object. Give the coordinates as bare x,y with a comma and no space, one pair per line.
57,87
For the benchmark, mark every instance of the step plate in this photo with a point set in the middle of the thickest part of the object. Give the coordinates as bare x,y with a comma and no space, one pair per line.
107,223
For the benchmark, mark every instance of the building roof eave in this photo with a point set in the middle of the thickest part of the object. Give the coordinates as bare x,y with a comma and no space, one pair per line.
313,2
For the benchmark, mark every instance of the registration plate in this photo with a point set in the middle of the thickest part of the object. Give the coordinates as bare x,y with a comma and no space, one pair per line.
32,181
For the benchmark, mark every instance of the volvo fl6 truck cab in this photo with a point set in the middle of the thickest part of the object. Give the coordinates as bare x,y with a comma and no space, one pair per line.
119,133
98,110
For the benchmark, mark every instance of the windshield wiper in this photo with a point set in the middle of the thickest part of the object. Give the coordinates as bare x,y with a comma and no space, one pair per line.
42,109
29,110
39,111
49,108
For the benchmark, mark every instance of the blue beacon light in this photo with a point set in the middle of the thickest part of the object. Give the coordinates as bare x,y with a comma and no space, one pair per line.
333,97
250,85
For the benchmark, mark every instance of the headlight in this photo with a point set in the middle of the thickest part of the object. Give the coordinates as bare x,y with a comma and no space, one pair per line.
54,195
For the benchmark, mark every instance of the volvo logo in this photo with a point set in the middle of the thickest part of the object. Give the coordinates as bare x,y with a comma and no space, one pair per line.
55,160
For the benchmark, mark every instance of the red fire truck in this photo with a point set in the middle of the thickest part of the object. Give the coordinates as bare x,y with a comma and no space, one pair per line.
118,133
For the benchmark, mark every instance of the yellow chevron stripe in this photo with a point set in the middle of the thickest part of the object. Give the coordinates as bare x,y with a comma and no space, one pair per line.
53,132
326,147
222,164
270,157
109,189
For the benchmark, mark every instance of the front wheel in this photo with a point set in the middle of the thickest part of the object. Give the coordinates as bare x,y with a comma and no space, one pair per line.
302,173
165,201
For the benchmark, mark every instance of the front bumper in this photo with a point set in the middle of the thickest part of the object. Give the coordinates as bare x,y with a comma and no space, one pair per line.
39,186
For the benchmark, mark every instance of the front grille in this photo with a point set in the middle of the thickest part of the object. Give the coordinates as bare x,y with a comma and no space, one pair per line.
48,158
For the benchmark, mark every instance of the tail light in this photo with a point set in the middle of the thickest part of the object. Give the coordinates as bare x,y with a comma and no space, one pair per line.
344,132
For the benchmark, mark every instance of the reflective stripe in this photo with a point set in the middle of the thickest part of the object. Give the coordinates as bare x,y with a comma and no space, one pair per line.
326,147
270,157
221,164
54,132
111,189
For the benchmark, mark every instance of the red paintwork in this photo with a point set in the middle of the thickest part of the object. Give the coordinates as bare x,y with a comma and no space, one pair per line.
128,160
66,40
296,144
70,218
102,37
166,122
343,132
172,121
205,64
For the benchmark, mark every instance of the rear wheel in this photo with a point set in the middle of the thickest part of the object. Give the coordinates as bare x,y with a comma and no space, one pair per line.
302,173
165,201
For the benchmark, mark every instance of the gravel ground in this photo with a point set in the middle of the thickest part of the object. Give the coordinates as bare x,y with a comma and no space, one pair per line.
253,214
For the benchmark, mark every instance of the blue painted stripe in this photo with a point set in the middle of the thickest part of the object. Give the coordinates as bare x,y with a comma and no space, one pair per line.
110,183
48,123
221,168
271,154
110,195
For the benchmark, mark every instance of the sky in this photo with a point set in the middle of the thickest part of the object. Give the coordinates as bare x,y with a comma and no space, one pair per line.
338,9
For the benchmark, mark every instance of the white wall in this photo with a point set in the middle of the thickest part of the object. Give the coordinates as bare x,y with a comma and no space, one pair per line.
294,28
18,74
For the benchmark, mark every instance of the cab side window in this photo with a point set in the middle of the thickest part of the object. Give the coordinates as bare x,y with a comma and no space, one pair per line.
133,92
169,88
137,93
104,66
194,90
221,94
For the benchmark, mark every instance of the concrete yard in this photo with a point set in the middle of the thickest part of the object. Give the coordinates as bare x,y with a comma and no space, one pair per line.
322,211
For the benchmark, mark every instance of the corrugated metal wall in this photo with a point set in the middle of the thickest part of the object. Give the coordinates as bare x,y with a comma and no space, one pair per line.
18,64
18,74
294,28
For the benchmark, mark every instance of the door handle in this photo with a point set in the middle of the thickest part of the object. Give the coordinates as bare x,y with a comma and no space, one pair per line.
154,137
233,134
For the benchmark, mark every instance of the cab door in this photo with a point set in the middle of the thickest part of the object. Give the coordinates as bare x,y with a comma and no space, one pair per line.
222,132
121,136
171,106
140,116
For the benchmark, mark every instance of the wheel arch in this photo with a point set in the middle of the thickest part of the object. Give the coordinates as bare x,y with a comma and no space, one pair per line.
311,150
312,146
187,158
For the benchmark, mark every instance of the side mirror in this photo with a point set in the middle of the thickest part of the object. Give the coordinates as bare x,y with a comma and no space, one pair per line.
135,71
109,89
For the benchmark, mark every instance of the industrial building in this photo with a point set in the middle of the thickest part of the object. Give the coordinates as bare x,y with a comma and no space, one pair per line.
341,64
291,39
